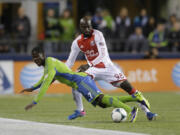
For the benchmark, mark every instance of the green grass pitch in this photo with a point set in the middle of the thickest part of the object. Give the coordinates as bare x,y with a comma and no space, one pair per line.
56,108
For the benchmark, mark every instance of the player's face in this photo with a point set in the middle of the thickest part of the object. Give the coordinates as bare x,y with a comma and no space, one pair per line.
85,28
38,58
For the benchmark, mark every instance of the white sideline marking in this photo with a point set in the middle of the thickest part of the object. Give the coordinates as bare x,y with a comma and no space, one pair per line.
22,127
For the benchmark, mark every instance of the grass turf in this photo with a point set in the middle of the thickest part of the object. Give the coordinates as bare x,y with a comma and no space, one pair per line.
56,108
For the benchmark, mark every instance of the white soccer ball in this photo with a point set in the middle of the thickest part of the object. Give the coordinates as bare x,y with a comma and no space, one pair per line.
119,115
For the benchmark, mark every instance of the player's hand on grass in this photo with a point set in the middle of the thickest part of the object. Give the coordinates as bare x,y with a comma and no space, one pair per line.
83,68
30,106
26,90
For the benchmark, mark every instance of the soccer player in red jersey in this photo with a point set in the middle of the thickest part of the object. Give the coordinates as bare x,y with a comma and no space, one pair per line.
100,67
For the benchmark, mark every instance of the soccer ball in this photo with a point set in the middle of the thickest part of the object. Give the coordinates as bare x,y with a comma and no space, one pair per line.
119,115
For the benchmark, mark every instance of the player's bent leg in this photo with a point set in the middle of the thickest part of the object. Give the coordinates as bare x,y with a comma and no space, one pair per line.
89,90
125,85
144,104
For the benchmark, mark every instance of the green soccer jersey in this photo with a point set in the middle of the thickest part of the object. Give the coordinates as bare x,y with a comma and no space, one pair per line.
55,69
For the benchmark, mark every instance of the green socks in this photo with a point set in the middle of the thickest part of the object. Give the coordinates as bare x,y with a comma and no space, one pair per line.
125,99
112,101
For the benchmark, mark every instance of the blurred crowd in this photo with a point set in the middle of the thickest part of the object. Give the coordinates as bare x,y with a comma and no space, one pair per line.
14,37
142,34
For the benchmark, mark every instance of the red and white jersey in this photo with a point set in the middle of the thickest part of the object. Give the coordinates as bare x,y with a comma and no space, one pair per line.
94,49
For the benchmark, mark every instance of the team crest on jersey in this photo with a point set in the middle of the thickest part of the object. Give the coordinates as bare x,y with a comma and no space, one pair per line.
81,46
92,43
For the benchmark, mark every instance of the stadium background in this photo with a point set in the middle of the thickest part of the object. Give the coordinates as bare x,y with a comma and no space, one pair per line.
152,69
159,72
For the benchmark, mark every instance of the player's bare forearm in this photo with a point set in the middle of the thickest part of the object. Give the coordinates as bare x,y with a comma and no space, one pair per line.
27,90
83,68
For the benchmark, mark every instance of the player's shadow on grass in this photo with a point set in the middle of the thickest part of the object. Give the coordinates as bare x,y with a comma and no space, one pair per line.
86,122
81,122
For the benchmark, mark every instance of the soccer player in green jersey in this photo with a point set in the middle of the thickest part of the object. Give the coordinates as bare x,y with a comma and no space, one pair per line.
56,70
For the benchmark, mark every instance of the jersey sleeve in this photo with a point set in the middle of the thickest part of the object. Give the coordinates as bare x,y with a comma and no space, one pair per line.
48,78
38,84
101,45
73,54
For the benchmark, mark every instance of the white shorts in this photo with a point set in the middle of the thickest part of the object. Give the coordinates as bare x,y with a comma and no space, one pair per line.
109,74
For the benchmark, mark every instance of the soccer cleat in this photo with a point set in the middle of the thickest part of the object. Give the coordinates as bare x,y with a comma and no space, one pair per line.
141,99
134,113
76,114
151,116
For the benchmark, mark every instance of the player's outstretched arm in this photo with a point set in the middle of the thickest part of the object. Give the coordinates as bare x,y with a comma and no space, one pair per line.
46,83
34,87
31,105
48,79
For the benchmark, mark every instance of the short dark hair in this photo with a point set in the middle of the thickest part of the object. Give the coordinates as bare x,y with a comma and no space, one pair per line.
38,50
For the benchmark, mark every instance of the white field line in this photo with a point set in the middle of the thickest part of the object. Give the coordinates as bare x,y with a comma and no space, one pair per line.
22,127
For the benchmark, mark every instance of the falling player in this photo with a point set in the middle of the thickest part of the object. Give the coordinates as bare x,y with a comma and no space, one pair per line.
57,70
92,43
